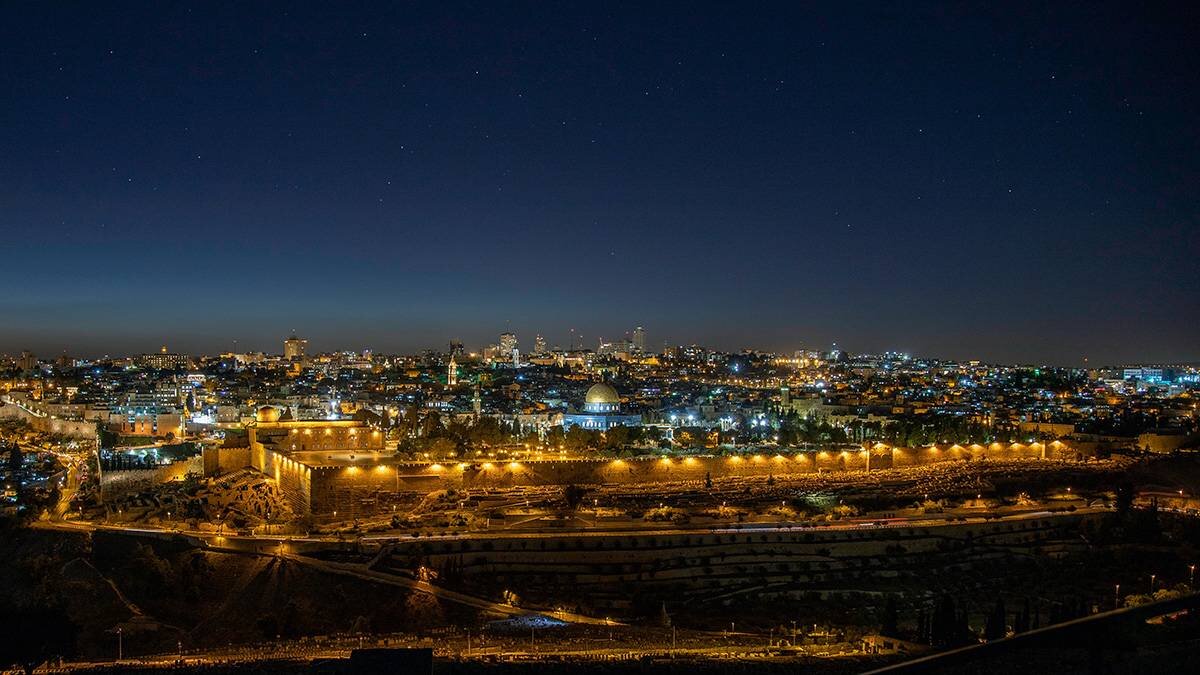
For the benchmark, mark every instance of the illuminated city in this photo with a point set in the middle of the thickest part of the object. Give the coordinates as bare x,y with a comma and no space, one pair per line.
627,494
599,339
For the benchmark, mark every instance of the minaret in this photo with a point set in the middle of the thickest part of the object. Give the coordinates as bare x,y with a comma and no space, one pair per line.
476,403
451,372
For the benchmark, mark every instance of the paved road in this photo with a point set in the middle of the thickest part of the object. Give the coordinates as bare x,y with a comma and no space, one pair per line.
365,573
216,540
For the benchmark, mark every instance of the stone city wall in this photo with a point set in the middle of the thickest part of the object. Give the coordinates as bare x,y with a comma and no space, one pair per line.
330,486
48,424
219,460
293,479
118,483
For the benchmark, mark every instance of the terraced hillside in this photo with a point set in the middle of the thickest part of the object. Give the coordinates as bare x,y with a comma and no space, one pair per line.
626,575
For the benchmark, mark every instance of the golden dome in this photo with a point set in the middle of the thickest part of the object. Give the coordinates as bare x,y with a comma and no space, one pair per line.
602,393
268,413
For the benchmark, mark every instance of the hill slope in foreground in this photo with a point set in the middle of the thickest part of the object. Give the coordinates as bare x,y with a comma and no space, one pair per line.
161,593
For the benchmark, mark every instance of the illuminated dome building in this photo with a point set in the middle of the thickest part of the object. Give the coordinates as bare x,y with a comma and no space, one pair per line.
268,414
601,410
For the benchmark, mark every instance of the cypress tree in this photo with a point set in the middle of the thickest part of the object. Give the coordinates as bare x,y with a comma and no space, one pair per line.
996,626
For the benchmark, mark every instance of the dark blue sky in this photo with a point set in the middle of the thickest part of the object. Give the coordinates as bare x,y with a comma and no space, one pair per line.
999,181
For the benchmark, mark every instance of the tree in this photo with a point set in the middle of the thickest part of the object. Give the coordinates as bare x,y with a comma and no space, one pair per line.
1124,502
151,572
617,437
441,448
578,438
361,625
14,457
486,431
431,425
996,625
106,438
1021,623
946,626
889,621
690,437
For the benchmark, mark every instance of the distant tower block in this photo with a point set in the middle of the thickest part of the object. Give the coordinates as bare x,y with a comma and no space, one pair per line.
539,345
639,339
294,347
508,347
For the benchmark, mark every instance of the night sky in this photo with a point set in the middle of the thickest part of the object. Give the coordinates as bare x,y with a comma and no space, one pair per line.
1005,182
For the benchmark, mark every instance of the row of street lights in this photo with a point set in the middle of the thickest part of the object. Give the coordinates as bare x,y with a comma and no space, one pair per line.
1153,579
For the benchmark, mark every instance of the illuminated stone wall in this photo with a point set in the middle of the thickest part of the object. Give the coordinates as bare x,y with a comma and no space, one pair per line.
115,484
48,424
315,435
360,491
293,479
902,457
369,489
220,460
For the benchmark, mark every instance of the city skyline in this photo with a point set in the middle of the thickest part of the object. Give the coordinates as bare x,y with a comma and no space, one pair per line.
394,178
502,337
526,344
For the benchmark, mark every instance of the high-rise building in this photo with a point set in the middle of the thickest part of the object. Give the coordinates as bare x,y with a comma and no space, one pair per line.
28,362
639,339
835,354
294,347
508,345
539,344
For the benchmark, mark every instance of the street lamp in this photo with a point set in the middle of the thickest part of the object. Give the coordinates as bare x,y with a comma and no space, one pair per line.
1117,597
1152,576
1191,575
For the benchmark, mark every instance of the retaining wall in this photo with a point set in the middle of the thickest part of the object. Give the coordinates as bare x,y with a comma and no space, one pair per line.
329,486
